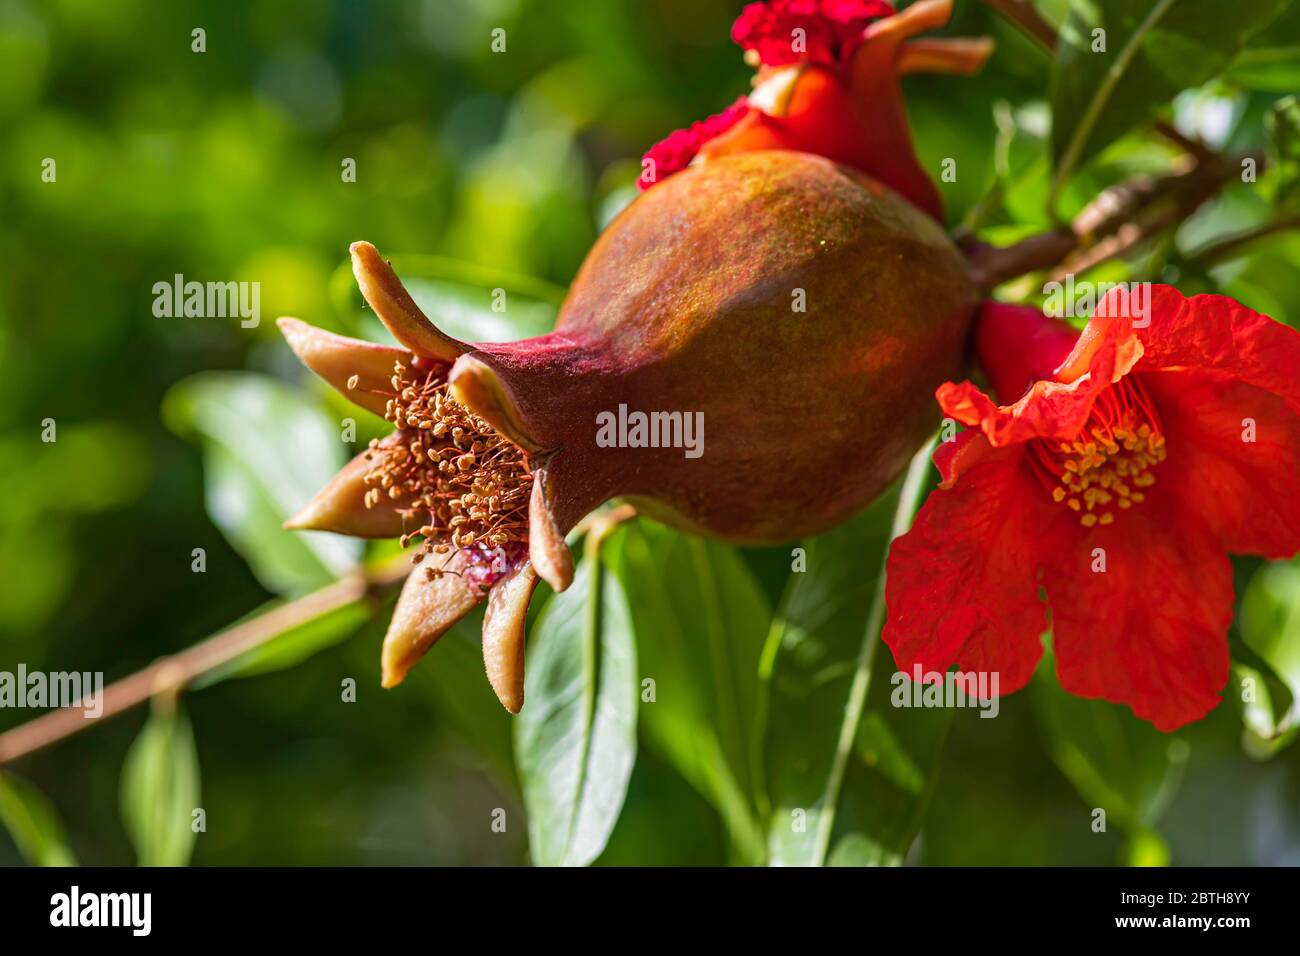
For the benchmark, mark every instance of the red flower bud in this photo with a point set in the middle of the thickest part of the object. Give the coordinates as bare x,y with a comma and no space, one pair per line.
832,91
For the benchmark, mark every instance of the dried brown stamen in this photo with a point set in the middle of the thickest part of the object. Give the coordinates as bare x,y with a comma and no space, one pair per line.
461,485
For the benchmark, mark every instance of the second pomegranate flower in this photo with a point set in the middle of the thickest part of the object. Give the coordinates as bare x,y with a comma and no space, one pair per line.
1108,488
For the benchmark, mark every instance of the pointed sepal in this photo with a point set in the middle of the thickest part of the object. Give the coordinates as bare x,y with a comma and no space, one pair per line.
426,610
341,505
384,292
360,371
503,635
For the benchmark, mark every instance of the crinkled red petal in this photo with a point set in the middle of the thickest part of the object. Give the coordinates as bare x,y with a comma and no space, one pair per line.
954,457
961,586
1149,631
1214,332
1234,459
1050,409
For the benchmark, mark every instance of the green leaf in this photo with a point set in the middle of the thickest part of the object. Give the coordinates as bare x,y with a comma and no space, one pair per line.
464,700
1146,848
1154,49
1271,60
467,301
33,824
1283,127
1275,69
467,314
1266,705
54,478
1269,623
267,450
1020,177
575,740
160,790
1282,123
848,775
700,620
291,647
1116,762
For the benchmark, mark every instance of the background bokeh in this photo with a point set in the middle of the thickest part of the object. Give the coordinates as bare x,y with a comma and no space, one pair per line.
475,170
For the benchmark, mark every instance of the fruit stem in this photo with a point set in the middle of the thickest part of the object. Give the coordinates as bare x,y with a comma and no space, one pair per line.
1114,222
167,677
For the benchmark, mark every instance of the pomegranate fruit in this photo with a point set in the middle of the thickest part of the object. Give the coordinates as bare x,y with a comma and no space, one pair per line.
801,312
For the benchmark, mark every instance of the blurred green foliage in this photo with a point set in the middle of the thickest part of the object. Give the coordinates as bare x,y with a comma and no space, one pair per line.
478,170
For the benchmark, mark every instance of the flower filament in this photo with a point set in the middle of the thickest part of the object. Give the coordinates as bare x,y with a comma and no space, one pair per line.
453,477
1108,466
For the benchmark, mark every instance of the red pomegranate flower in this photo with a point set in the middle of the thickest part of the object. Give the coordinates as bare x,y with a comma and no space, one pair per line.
1136,455
831,89
832,29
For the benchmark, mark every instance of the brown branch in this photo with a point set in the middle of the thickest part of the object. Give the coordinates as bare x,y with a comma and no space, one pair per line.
1023,15
1119,219
1233,245
170,675
1189,144
1116,221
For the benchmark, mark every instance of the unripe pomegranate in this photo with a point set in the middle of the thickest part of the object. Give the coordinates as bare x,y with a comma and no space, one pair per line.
803,310
796,316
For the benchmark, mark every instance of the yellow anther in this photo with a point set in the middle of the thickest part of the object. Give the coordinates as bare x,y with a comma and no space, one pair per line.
1102,466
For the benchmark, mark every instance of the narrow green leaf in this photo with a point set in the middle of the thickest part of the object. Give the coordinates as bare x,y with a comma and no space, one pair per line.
473,275
575,740
160,790
857,849
468,314
1271,60
267,450
1020,168
469,302
33,824
1282,123
464,700
1266,705
1275,69
1269,623
293,646
1117,762
700,619
1154,49
1283,126
848,775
